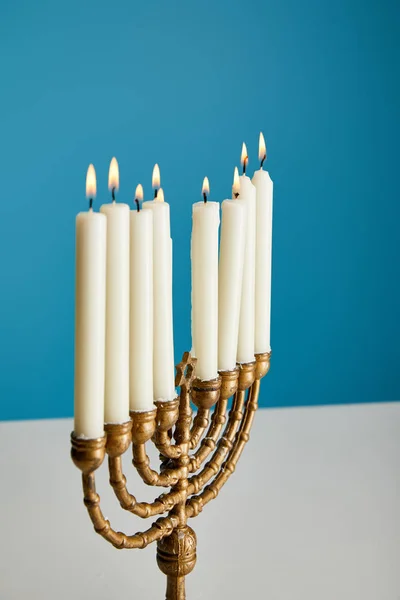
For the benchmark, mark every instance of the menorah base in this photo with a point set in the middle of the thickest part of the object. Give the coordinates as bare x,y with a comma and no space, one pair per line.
176,557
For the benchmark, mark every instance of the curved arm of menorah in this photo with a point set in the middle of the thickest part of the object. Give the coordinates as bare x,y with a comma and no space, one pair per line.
166,418
229,384
139,430
161,505
161,528
88,456
197,482
167,478
245,379
200,424
196,504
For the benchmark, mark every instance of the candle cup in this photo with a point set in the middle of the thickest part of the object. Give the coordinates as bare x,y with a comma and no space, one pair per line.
262,364
167,414
87,455
206,393
229,383
143,426
119,437
247,372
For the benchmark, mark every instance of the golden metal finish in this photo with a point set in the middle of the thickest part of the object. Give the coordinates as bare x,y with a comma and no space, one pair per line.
206,393
247,373
119,438
88,455
262,364
175,433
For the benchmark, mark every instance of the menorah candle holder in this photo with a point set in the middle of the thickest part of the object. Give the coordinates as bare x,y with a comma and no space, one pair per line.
184,444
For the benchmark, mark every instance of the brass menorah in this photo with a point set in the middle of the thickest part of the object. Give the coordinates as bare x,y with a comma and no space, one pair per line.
181,462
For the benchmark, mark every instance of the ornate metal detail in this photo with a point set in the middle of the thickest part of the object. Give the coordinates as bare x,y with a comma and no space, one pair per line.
192,482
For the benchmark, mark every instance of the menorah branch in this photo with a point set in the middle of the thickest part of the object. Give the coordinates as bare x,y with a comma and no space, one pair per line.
210,492
200,424
167,416
128,502
162,527
171,427
143,429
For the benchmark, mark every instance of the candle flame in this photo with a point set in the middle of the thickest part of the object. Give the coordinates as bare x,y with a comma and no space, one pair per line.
113,175
160,196
91,182
139,192
236,182
244,159
206,186
156,179
262,148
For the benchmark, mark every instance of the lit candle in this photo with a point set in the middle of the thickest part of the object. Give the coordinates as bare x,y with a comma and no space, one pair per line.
230,274
204,249
141,307
116,399
156,179
90,302
264,190
247,195
163,340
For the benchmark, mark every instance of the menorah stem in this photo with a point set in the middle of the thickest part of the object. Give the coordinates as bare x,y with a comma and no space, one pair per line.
176,557
175,588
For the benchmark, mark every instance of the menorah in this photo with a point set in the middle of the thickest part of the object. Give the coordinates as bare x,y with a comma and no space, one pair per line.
184,443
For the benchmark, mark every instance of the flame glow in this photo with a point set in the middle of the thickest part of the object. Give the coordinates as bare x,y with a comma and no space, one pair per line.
91,182
160,196
139,192
262,148
244,159
236,182
206,186
113,175
156,179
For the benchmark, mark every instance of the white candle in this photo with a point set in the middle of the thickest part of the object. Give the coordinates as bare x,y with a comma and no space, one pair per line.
204,251
230,275
163,341
141,307
90,301
116,397
264,191
247,195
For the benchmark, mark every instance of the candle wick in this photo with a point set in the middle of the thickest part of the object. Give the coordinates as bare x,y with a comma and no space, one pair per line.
245,165
137,205
113,194
205,197
90,203
155,193
236,194
262,162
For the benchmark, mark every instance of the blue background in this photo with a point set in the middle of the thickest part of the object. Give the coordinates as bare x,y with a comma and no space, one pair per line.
183,84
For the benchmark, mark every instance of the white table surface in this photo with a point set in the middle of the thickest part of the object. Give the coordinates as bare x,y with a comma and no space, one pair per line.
312,513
